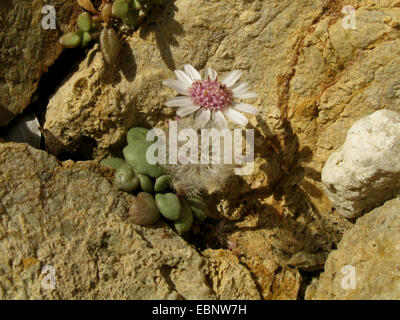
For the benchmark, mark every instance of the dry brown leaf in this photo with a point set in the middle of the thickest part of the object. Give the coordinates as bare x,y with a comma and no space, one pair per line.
87,5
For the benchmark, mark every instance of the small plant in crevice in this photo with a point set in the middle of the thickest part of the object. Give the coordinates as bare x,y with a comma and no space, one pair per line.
100,24
208,103
155,197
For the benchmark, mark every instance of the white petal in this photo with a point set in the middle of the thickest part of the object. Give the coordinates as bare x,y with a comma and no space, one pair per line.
231,78
179,102
240,88
202,117
177,86
184,111
183,77
248,108
236,117
246,95
192,72
219,120
211,73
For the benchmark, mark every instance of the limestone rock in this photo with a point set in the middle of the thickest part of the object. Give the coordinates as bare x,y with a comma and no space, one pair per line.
47,220
311,289
371,252
365,171
251,278
287,230
341,75
27,50
275,282
230,279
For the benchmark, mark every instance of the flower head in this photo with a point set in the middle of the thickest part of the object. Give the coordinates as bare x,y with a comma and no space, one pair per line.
210,98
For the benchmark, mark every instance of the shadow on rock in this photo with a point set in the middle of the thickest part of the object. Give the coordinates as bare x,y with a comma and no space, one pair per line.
161,22
277,219
127,63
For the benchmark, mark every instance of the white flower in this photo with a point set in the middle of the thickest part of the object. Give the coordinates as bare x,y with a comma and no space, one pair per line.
210,98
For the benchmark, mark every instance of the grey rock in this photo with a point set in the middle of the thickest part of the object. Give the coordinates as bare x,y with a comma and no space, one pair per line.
27,50
371,252
365,171
69,215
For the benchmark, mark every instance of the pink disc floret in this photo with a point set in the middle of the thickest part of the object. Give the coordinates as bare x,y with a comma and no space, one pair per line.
210,95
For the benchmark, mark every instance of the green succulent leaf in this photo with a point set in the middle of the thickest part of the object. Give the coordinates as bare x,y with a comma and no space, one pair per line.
169,205
136,133
131,18
84,22
71,39
120,8
199,207
125,179
185,221
136,4
114,163
162,183
110,45
135,155
145,183
86,38
106,12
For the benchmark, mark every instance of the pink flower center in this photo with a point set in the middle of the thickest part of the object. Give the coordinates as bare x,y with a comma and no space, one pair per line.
210,94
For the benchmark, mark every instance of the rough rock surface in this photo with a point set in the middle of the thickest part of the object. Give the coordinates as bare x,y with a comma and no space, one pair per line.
230,279
67,215
270,228
339,76
372,247
275,282
236,277
27,50
365,171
